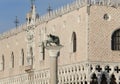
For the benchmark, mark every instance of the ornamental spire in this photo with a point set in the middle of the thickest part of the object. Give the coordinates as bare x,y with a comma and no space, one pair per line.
32,2
16,22
49,9
31,16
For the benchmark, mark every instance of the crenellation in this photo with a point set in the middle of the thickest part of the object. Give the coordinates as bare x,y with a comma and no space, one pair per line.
67,6
76,4
58,12
13,32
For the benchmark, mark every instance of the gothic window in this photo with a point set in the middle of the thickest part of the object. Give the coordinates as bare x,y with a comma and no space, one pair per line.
103,79
22,57
31,51
31,55
94,79
116,40
42,51
113,79
74,42
3,62
12,60
85,82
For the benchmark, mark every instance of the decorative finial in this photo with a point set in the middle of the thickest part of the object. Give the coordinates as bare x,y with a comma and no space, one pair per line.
49,9
32,2
16,22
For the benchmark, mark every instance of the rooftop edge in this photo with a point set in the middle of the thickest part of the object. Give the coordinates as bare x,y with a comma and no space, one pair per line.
61,11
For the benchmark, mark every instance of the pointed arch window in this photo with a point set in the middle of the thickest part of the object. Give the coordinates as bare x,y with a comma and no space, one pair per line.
31,55
94,79
31,51
22,56
113,79
3,62
116,40
12,60
74,42
103,79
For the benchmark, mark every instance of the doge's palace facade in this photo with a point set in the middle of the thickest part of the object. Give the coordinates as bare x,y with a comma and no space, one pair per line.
76,44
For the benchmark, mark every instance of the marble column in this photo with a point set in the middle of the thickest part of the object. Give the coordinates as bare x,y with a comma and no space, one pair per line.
53,53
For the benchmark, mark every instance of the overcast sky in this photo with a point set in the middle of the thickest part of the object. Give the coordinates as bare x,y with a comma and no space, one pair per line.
9,9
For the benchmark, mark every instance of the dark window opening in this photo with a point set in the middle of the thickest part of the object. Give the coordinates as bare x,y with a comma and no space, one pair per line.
12,59
74,42
94,79
116,40
22,54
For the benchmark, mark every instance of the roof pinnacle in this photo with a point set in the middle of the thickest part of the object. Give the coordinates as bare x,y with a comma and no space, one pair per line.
49,9
32,2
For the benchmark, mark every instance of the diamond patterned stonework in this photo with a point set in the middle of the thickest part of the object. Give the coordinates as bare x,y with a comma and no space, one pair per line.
89,32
